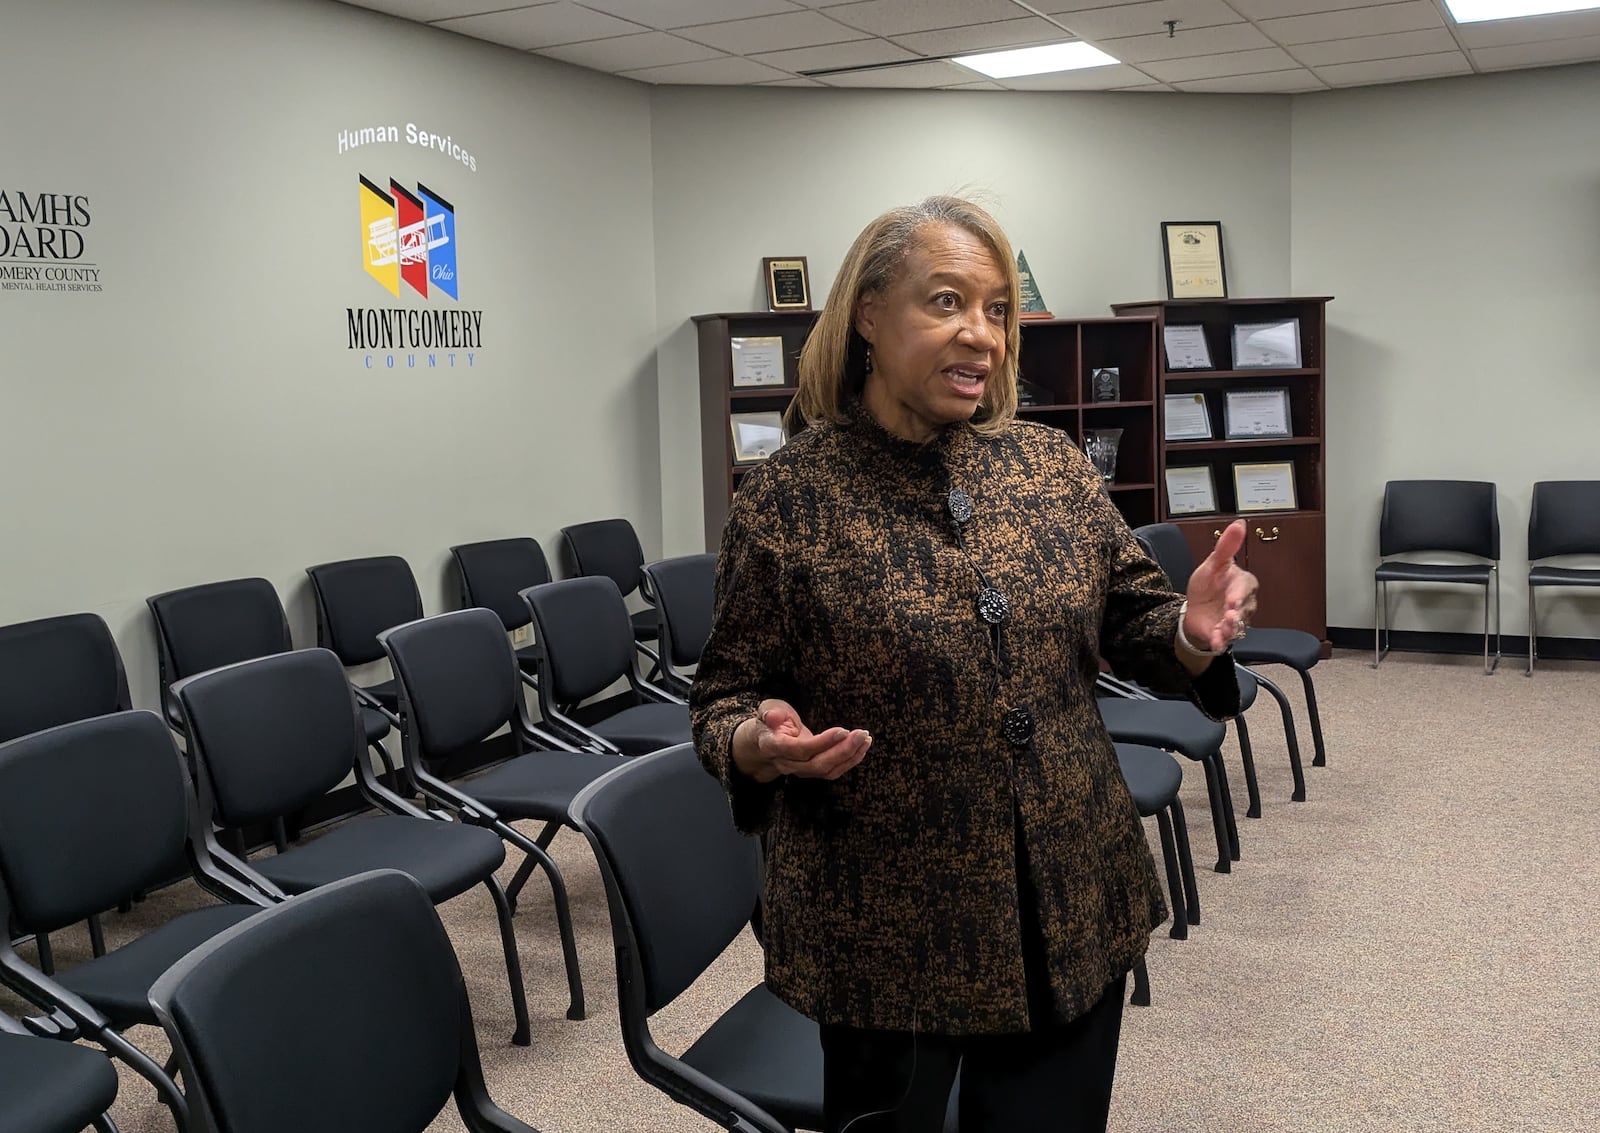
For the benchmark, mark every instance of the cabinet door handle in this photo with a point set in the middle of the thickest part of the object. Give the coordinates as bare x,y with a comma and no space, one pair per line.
1265,538
1217,534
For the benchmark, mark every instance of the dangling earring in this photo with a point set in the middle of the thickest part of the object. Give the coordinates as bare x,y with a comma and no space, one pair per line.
868,372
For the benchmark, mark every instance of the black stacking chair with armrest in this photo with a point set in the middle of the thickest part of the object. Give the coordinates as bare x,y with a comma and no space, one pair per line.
457,679
583,626
683,589
273,735
48,1086
1153,778
356,600
1421,516
90,813
368,958
1564,520
493,574
609,548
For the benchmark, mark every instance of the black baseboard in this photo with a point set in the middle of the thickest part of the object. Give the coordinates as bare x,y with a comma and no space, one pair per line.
1511,645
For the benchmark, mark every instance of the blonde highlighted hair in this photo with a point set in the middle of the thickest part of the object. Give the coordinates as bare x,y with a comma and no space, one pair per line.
833,362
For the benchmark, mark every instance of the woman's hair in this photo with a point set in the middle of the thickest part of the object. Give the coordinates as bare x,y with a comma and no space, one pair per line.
833,363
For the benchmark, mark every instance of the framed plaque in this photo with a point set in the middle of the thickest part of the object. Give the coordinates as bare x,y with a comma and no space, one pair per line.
1186,417
1253,414
1192,250
1264,487
756,436
757,361
1186,347
788,285
1191,491
1267,346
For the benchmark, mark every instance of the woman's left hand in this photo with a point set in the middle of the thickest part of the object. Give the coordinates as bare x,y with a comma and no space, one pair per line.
1222,594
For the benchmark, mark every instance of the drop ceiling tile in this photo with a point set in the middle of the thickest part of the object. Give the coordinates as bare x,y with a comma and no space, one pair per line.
932,73
1093,21
727,71
1412,15
1089,78
631,52
1503,33
1395,70
1200,41
1270,82
1562,51
772,33
797,82
1142,88
984,85
426,10
859,53
667,14
896,17
1369,47
1217,66
1266,9
548,25
982,37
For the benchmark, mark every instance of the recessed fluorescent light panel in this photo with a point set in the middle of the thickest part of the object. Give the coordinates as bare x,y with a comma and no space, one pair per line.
1036,60
1476,11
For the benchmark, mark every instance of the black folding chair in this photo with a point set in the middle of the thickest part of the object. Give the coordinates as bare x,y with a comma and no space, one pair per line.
493,574
610,548
52,1087
457,681
582,624
1430,516
271,736
341,1011
683,589
1564,520
357,599
55,671
1154,778
90,813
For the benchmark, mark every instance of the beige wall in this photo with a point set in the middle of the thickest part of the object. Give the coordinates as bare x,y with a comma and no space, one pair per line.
202,418
1458,224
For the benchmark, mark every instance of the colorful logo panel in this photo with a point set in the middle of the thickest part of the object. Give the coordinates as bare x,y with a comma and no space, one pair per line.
408,238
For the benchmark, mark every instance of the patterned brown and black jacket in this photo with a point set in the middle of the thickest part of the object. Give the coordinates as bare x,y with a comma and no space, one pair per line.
843,587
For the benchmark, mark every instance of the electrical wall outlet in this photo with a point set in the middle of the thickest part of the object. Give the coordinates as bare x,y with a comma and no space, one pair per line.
522,635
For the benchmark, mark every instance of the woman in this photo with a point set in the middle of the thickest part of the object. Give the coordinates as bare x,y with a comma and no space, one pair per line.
912,600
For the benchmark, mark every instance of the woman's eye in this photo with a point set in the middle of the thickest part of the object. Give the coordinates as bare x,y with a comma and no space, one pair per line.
946,300
998,311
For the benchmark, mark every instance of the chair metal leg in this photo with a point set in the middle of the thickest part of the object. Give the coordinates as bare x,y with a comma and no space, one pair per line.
1141,985
1169,858
1320,756
104,1124
97,936
523,1035
1247,757
525,870
143,1065
1290,735
558,891
1218,822
47,957
1380,620
1180,834
1230,821
1533,627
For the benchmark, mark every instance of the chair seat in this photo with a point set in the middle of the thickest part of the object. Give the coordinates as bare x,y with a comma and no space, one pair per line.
539,785
118,983
375,723
646,625
52,1087
1564,576
646,727
1270,645
385,694
1153,777
1171,724
446,858
1478,574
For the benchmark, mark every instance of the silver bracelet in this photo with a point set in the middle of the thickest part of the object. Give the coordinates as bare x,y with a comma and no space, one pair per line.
1183,639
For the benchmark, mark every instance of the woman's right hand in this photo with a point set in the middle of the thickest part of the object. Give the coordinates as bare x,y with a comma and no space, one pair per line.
775,741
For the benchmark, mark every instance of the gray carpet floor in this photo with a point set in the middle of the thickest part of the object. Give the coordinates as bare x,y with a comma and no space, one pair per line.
1413,948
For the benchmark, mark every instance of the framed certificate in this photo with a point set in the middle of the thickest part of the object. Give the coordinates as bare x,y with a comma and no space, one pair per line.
1186,347
1264,487
1267,346
1191,491
757,361
1192,250
788,285
1252,414
1186,417
756,436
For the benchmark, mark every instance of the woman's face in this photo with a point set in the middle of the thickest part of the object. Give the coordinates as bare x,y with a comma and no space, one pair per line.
938,334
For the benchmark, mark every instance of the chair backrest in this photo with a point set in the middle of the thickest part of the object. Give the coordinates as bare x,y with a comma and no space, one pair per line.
57,670
1564,518
1164,542
457,679
586,633
1439,515
90,813
270,735
608,547
343,1009
493,572
680,878
357,599
215,624
684,590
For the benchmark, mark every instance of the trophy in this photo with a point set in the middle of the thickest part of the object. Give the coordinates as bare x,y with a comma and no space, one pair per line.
1101,447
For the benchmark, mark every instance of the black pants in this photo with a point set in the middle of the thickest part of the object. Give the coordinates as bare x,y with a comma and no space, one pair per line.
1054,1080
